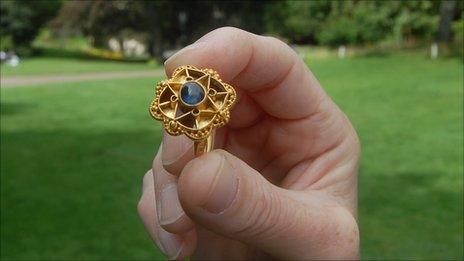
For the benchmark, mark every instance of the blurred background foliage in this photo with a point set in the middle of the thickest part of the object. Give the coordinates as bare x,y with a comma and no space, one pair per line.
21,21
164,25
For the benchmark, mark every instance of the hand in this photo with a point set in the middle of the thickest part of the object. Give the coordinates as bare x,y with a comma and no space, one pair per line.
282,182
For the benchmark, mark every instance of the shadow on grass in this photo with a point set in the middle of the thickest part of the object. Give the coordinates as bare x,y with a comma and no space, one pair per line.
72,195
410,215
10,108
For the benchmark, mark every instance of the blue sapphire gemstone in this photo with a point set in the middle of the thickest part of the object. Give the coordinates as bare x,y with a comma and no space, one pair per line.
192,93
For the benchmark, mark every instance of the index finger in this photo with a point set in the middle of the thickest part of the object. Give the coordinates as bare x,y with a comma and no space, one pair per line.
264,68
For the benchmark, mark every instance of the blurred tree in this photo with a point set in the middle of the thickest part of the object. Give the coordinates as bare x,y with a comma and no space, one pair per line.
364,22
174,24
98,19
297,21
339,27
20,21
447,11
458,31
415,20
164,24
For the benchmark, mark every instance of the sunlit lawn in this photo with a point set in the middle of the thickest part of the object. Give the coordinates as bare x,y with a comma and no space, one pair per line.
73,155
68,65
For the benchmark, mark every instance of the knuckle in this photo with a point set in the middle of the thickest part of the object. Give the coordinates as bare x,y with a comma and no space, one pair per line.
147,178
274,39
278,42
357,142
230,30
340,234
347,233
141,206
233,35
352,134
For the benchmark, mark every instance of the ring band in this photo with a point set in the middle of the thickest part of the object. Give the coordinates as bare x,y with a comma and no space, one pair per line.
194,102
203,146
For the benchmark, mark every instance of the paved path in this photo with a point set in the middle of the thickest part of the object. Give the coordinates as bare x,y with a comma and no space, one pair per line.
14,81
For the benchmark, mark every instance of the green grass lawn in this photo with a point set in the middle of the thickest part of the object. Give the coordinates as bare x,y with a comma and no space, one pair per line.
70,65
73,156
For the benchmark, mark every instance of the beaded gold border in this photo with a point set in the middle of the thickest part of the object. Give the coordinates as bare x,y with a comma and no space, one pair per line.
173,127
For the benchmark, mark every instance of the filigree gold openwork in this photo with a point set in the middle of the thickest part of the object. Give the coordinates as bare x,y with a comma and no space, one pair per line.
197,120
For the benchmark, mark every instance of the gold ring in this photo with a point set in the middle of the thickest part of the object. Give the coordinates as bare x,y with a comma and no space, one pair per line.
193,102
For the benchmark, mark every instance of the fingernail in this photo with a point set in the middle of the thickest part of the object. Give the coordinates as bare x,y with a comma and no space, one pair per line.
223,190
169,208
174,147
171,244
196,45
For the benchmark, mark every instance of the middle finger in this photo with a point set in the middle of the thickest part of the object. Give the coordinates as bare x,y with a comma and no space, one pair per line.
171,216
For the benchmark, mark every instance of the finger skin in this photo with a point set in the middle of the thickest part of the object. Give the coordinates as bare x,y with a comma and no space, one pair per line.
280,103
285,224
279,98
265,68
147,212
177,151
178,223
146,207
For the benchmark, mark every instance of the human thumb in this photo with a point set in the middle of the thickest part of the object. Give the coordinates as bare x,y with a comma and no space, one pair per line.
225,195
